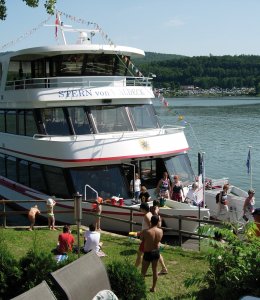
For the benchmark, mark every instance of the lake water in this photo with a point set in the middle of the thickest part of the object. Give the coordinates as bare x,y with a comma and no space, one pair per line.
223,128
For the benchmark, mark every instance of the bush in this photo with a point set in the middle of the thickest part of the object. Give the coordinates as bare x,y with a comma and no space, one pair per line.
233,265
9,273
126,281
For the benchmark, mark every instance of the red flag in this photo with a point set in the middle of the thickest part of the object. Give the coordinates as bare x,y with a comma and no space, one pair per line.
57,22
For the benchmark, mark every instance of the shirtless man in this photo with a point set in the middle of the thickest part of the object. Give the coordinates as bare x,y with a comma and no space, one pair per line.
152,238
146,223
32,215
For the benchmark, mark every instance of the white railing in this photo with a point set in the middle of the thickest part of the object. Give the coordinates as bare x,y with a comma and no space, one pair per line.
77,81
114,135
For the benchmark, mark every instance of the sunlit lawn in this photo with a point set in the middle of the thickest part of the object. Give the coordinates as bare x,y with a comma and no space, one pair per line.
181,264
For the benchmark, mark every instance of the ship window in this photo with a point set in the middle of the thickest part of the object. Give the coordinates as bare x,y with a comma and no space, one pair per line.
1,71
23,172
108,181
55,181
11,121
181,166
144,117
2,165
55,121
148,173
31,128
11,168
21,120
2,121
36,178
99,65
111,119
79,120
13,71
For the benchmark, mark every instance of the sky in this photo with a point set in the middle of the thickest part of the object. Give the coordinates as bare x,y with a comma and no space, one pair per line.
185,27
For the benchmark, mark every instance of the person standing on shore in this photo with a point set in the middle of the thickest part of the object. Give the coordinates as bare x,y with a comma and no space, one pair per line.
151,238
32,215
98,210
51,218
146,223
248,207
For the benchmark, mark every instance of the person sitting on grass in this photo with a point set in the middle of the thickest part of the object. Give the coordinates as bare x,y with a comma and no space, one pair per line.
65,241
92,240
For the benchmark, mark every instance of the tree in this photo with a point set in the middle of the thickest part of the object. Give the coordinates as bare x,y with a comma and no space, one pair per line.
49,6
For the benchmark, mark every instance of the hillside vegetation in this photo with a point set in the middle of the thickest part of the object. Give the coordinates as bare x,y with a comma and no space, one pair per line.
202,71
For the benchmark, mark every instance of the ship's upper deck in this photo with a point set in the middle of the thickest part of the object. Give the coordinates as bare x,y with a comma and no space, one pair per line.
71,72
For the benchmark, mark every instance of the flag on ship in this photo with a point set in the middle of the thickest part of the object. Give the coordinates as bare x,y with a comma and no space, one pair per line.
57,22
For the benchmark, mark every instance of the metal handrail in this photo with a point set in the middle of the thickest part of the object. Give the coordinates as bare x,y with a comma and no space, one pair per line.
77,81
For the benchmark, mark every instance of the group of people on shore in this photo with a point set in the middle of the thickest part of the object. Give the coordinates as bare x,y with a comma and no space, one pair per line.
248,206
65,239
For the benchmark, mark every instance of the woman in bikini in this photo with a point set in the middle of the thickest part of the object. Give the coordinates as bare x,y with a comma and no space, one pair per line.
163,186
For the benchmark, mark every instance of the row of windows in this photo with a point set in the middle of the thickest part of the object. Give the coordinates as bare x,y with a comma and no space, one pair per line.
66,121
67,65
47,179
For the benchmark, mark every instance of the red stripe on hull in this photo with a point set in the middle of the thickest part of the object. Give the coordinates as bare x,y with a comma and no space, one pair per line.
95,159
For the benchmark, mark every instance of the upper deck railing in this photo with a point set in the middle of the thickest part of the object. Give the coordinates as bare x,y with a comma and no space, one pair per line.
77,81
149,132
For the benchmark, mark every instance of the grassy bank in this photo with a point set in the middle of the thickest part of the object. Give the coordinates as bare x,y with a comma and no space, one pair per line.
180,263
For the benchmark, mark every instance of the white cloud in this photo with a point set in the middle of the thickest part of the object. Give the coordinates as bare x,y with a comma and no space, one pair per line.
176,22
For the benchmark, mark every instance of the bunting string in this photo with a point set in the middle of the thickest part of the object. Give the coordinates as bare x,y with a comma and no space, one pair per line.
165,103
132,68
25,35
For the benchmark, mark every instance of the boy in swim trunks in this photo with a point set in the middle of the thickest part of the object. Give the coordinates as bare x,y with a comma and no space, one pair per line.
152,238
51,219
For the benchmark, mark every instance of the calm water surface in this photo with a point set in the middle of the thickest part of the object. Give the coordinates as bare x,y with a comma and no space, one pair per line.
223,128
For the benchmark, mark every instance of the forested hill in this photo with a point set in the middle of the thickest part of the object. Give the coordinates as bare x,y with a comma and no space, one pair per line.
153,57
204,71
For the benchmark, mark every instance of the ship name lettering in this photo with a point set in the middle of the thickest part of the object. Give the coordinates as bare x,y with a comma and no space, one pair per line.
131,92
75,93
102,93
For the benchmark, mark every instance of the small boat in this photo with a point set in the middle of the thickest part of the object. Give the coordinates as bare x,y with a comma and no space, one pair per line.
235,201
78,115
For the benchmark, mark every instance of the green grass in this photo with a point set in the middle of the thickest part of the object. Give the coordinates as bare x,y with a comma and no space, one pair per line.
181,264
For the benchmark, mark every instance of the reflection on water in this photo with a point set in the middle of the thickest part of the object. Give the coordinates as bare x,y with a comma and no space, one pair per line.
224,128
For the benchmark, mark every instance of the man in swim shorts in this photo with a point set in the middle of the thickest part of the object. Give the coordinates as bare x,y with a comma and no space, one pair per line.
152,238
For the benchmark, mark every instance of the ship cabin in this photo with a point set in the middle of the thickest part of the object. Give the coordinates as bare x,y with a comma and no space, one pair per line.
68,91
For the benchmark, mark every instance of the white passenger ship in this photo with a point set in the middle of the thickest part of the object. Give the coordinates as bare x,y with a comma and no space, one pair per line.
75,115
